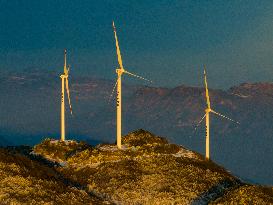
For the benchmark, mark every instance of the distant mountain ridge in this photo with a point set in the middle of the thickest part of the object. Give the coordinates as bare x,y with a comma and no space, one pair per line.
253,89
30,106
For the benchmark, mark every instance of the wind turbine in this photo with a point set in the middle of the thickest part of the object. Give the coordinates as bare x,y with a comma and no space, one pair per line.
120,71
208,110
64,78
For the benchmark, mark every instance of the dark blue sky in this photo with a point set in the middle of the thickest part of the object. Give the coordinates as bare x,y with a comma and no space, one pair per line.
166,41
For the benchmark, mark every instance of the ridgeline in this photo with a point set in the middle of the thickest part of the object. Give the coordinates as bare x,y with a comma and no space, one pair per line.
147,170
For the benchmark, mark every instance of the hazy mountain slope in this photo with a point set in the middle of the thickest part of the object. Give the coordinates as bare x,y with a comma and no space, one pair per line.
149,170
30,107
24,181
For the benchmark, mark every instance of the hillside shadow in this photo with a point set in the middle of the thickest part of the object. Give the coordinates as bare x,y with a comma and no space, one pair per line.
26,151
217,191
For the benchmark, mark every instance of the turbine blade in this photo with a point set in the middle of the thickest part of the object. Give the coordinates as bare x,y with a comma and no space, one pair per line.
112,93
68,95
117,47
65,66
200,121
206,87
137,76
68,69
223,116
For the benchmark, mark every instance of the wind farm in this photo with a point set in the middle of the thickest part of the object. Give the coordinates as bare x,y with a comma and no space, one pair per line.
196,135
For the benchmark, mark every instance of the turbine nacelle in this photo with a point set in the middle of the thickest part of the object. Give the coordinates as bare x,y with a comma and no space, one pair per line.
119,71
208,110
63,76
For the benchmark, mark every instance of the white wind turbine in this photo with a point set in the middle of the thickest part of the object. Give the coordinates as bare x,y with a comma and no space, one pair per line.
208,110
64,78
119,72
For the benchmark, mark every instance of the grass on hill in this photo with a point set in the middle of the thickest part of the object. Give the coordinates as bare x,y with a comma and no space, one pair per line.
149,170
24,181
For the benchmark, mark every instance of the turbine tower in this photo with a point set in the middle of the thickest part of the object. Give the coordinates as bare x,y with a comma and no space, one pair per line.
120,71
208,110
64,78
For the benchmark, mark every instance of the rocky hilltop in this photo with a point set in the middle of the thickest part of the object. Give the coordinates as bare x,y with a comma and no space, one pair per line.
147,170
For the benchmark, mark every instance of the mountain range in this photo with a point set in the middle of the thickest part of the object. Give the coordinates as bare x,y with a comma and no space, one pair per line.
30,112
